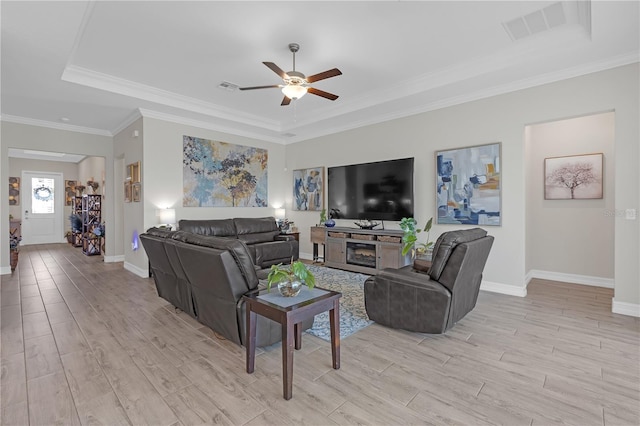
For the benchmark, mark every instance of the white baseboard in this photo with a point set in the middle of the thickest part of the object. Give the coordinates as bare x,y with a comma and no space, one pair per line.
5,270
305,256
510,290
624,308
570,278
114,259
142,273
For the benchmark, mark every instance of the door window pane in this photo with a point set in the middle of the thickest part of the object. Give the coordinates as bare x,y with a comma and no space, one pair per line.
42,196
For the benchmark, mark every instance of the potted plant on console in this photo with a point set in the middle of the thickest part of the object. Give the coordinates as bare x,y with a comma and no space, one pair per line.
290,278
410,237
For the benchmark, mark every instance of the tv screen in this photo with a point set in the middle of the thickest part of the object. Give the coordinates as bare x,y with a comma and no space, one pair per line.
373,191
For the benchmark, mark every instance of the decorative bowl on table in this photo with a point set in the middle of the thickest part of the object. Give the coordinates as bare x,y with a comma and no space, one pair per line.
289,288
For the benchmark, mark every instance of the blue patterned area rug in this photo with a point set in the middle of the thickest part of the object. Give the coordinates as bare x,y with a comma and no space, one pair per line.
353,316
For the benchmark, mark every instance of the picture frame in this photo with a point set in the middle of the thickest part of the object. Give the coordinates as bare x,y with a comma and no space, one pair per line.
574,177
69,191
135,192
14,191
308,189
469,185
127,192
133,172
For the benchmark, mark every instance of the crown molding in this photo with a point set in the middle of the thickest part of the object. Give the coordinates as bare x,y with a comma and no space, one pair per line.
523,84
109,83
147,113
54,125
135,115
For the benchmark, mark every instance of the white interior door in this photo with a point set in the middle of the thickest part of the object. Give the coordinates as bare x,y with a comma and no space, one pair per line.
43,211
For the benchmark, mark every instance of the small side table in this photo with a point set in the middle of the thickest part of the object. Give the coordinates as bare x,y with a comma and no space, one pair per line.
318,236
290,312
295,235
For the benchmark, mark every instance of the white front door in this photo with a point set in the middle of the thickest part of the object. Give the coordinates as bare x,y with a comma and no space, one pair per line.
43,208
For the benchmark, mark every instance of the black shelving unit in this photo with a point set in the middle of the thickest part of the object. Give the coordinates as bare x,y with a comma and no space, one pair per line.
76,208
91,219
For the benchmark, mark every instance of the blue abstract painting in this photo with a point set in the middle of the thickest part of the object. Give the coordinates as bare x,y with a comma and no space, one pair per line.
308,187
468,185
220,174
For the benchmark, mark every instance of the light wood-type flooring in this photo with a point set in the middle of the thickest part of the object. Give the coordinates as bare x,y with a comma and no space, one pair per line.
84,342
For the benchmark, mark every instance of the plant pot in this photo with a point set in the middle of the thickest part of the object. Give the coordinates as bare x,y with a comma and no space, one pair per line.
14,259
289,288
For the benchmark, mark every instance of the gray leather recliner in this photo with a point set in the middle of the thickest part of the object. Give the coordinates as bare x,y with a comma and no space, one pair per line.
433,301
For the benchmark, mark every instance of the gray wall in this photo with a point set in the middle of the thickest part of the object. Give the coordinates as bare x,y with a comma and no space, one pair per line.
503,119
574,237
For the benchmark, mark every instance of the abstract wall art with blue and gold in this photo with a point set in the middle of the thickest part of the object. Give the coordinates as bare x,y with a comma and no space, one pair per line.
468,185
220,174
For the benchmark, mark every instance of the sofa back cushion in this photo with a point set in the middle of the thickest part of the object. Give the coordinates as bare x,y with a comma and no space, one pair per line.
256,230
236,248
446,243
213,227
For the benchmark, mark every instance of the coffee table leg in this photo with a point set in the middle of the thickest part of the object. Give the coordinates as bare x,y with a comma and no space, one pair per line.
298,330
250,338
288,337
334,321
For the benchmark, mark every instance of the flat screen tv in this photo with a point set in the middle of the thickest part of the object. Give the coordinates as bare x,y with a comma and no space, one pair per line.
372,191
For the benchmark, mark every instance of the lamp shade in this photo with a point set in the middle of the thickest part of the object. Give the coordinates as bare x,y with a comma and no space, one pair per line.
294,91
167,216
280,213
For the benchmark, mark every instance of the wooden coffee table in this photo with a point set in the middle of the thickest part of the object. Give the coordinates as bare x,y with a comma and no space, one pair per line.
290,312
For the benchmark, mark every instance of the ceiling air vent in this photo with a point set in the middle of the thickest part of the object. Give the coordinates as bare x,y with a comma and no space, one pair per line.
288,135
229,87
541,20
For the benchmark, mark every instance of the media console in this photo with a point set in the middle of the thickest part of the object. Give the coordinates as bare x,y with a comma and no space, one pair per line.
364,250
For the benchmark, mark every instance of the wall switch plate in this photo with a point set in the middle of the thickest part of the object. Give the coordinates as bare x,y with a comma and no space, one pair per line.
630,214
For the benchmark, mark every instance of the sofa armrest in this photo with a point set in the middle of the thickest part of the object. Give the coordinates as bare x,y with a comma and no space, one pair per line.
284,237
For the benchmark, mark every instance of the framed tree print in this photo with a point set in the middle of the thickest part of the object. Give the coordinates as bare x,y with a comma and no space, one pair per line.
576,177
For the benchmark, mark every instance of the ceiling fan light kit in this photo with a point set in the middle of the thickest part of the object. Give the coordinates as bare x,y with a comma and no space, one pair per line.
296,84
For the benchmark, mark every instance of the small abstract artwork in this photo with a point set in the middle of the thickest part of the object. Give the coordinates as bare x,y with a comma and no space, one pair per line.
469,185
576,177
220,174
308,189
14,191
69,191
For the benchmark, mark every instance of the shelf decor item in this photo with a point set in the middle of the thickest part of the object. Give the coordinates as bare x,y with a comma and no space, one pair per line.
469,185
576,177
290,278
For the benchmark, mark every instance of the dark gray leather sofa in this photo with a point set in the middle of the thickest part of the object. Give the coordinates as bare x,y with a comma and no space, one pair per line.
433,301
261,235
206,276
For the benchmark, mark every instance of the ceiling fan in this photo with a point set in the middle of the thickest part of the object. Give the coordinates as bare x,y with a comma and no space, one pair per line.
295,84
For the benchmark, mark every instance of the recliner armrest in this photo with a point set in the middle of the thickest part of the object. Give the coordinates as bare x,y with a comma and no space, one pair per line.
402,298
284,237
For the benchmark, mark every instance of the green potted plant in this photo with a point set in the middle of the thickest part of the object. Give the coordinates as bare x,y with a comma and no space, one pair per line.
323,217
290,278
410,237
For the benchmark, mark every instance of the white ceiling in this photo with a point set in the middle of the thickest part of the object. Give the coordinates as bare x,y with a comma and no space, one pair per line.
102,64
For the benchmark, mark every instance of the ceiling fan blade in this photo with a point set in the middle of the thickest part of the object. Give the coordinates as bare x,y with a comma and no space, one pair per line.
321,76
273,67
322,93
286,101
258,87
